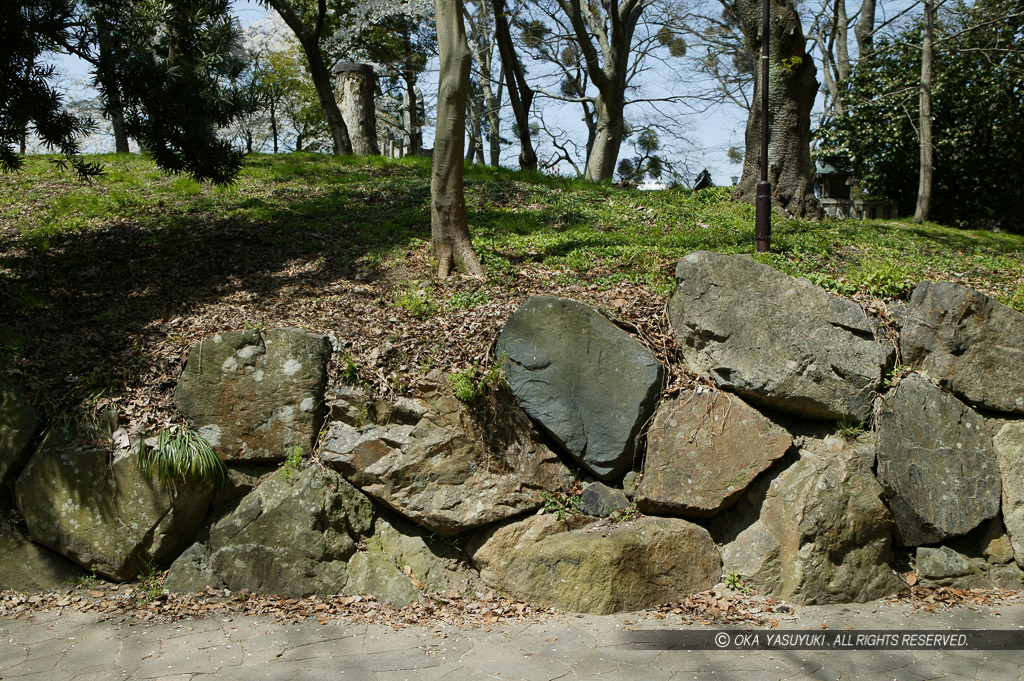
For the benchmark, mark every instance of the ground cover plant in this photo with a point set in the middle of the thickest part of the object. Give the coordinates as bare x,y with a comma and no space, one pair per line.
104,286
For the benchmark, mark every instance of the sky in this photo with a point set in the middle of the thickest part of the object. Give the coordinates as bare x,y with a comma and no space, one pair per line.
709,135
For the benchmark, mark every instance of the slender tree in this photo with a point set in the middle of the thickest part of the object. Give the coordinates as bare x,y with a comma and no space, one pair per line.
449,229
310,25
927,155
520,94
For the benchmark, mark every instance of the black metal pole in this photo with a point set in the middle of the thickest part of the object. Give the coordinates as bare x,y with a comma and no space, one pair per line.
763,207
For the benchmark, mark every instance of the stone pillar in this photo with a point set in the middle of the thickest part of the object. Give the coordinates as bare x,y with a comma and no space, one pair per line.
353,88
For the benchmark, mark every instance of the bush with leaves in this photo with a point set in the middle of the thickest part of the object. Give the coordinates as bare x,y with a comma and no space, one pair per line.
978,112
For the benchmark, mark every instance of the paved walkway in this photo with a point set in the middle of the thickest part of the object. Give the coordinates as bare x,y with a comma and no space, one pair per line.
77,646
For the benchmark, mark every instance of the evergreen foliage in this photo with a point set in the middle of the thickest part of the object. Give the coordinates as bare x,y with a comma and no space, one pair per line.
168,62
978,104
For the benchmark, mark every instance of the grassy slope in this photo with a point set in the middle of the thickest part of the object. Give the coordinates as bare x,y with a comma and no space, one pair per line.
116,279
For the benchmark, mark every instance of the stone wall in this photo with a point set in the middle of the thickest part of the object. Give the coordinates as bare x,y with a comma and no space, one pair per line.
823,455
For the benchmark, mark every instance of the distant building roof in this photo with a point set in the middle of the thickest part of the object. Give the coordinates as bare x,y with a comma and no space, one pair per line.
832,165
703,180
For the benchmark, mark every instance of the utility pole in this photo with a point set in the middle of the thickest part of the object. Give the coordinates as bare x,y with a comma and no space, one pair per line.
763,207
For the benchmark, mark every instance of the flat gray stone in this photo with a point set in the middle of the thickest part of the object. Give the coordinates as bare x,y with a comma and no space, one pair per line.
969,343
447,468
703,451
584,380
600,500
939,562
781,342
256,396
936,462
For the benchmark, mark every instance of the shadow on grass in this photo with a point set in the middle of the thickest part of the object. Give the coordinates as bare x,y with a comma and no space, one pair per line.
72,313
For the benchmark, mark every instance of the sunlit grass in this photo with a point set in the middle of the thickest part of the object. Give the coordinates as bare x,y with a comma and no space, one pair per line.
586,232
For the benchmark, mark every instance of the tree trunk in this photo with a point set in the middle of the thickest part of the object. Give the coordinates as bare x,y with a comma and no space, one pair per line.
607,138
494,128
449,229
520,95
476,128
409,76
864,31
325,93
115,108
273,123
608,67
415,134
924,187
310,42
792,89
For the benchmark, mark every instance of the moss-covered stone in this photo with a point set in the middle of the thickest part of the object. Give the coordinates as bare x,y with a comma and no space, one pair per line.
598,568
27,567
95,505
17,426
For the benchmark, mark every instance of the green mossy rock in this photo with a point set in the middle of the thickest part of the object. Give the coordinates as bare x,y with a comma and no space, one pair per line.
598,568
27,567
97,508
17,426
314,533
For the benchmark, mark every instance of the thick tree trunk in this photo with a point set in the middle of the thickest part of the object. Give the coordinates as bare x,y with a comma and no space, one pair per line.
792,89
607,139
520,95
449,230
924,186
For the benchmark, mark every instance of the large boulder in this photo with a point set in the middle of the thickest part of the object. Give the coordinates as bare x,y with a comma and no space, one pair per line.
313,533
256,395
444,467
937,463
703,451
824,534
968,342
100,510
778,341
597,568
27,567
1009,446
17,426
584,380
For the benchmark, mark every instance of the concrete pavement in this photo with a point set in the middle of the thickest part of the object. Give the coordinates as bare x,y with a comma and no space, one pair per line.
78,646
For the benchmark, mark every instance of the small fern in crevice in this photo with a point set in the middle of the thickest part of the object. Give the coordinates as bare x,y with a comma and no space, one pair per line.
182,453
